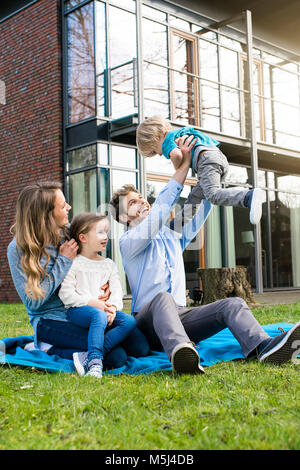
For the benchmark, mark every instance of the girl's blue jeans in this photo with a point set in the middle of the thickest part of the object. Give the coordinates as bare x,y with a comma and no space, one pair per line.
101,339
87,330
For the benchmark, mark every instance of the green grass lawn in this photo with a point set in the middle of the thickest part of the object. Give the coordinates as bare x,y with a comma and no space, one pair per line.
235,405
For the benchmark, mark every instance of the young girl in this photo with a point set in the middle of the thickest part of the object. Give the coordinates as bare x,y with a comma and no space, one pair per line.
40,255
80,292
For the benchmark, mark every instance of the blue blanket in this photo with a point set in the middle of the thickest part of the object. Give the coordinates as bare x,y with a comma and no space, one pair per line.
220,347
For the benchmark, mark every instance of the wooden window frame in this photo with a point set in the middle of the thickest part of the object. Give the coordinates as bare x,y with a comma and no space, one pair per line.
195,64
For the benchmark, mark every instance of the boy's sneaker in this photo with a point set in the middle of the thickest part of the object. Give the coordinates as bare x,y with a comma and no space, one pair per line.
185,359
282,348
80,362
253,200
95,368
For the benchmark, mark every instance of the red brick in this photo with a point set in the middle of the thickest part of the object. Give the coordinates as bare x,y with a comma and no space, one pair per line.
31,120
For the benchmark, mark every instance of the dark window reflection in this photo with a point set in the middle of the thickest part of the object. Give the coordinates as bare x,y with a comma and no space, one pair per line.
281,243
81,71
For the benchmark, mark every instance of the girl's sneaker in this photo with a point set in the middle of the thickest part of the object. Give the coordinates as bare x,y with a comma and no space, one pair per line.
80,362
95,368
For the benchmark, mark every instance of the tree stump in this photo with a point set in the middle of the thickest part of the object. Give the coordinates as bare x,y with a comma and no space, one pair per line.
220,283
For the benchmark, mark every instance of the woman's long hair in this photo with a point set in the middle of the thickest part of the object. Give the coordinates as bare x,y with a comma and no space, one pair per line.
34,229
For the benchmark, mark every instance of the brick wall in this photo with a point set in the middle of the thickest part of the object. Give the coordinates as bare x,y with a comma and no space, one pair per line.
31,118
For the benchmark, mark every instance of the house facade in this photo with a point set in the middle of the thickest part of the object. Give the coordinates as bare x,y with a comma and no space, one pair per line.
77,78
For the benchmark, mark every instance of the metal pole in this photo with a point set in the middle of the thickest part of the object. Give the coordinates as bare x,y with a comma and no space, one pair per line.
254,160
140,89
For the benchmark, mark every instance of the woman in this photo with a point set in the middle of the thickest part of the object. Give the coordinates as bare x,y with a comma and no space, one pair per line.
39,256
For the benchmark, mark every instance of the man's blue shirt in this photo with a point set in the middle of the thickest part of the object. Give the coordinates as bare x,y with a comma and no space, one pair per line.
152,251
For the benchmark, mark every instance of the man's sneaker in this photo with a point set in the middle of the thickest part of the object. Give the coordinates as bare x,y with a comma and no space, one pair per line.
253,200
185,359
281,348
80,362
95,369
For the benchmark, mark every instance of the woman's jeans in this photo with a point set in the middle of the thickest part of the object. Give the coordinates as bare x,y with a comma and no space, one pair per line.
69,337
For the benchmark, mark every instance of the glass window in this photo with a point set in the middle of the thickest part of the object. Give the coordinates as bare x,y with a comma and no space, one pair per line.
208,61
81,71
122,36
281,242
229,67
123,156
209,92
231,43
120,177
156,14
258,100
155,187
231,111
211,123
69,4
101,62
244,242
123,89
210,35
155,42
80,158
83,192
103,154
156,90
285,86
122,50
178,23
130,4
286,119
238,175
289,183
161,165
210,98
184,91
104,191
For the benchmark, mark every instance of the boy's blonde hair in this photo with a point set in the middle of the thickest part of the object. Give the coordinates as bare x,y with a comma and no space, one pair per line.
149,132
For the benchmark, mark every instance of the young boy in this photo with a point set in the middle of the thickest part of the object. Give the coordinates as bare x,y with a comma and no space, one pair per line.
155,136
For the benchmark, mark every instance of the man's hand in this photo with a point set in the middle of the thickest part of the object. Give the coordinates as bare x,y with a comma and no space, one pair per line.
186,146
106,294
68,249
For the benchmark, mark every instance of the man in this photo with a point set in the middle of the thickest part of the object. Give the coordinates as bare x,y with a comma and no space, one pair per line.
152,257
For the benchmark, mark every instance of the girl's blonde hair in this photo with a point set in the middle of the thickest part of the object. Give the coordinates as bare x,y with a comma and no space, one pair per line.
149,132
82,223
34,229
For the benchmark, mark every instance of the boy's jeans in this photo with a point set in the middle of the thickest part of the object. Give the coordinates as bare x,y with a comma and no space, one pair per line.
68,337
211,168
